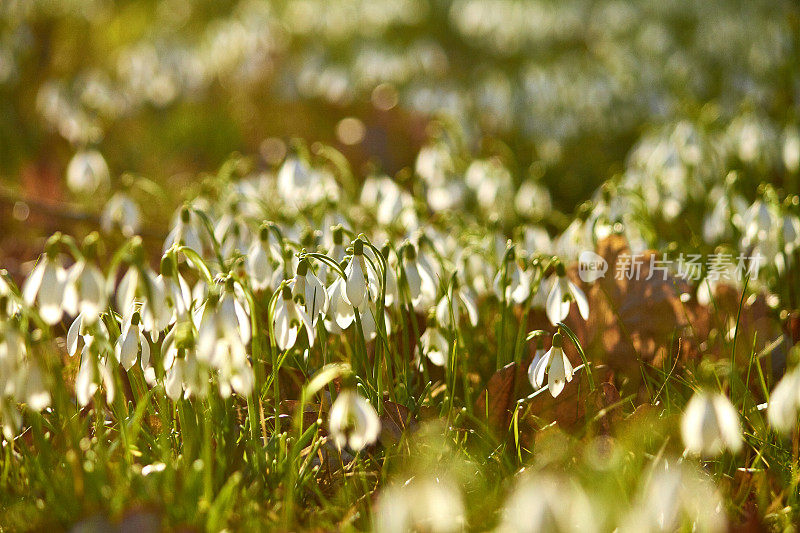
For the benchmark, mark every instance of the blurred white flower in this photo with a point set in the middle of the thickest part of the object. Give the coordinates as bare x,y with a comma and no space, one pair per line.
427,504
547,503
259,262
557,367
675,496
462,297
186,231
422,283
562,292
45,286
87,172
122,213
518,283
710,425
784,402
95,370
85,291
435,346
353,421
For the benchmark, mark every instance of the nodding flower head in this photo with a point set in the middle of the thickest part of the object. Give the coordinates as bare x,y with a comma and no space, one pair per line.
356,271
562,292
556,365
288,318
353,421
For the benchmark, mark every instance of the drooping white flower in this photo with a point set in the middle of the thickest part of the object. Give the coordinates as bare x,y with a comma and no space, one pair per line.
85,291
357,276
421,504
537,357
184,375
45,287
462,298
710,425
309,287
223,319
186,231
517,283
87,171
556,365
353,421
676,495
234,372
122,213
421,280
132,342
95,370
259,261
20,380
340,312
12,305
81,329
784,402
288,319
548,503
435,346
562,292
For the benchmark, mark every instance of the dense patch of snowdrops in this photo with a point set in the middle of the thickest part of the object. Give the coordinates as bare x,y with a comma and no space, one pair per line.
283,262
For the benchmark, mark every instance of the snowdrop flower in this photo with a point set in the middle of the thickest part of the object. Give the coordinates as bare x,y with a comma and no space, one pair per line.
784,402
676,495
45,285
562,291
87,171
337,253
85,290
353,422
340,312
185,231
288,319
711,424
435,346
537,357
233,368
232,233
547,503
131,342
427,504
10,305
142,284
421,280
294,178
121,212
80,329
357,276
184,374
758,223
434,164
462,297
223,318
313,293
517,283
790,233
557,366
94,371
259,261
20,379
